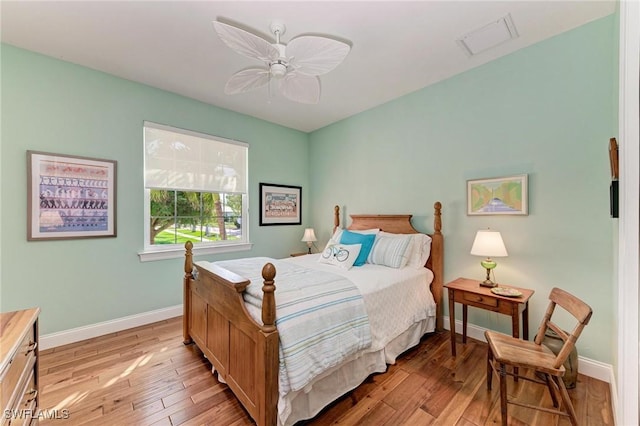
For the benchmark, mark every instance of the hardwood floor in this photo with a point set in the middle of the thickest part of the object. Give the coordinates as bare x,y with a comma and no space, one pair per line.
146,376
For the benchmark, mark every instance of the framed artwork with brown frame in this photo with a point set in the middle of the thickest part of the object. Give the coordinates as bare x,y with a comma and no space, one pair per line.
280,204
70,197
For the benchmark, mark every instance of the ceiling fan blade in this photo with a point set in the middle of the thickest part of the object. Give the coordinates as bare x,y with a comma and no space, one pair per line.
246,43
246,80
313,55
300,88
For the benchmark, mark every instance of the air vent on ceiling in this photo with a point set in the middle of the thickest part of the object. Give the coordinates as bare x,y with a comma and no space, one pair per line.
488,36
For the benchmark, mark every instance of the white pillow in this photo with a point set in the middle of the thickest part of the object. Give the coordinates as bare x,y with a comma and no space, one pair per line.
421,251
391,251
342,255
418,251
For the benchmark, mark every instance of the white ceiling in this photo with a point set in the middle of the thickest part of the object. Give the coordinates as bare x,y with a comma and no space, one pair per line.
397,46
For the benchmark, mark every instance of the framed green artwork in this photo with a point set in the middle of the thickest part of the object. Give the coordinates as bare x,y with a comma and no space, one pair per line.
498,196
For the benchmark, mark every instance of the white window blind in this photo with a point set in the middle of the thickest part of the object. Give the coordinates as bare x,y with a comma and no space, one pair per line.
189,161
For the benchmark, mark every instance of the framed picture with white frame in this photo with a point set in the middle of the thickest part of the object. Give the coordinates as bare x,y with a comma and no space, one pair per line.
70,197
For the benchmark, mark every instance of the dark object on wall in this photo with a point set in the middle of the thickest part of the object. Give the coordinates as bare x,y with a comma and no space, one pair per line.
613,189
613,194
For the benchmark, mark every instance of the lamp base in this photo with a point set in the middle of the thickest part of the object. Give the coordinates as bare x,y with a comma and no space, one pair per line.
488,265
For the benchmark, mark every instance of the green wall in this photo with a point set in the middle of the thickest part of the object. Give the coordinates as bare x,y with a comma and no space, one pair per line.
548,111
54,106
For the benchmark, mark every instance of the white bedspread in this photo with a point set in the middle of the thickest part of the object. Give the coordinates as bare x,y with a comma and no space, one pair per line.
395,299
320,316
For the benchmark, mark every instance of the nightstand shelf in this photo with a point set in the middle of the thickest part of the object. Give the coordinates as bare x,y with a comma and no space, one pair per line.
469,293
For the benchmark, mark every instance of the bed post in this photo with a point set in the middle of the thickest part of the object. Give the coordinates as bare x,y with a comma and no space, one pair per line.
268,298
437,264
336,219
186,299
268,361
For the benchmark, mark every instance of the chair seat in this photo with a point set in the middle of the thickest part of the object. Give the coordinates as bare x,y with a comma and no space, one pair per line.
522,353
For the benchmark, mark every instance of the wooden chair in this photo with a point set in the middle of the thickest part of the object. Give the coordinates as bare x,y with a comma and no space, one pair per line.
509,351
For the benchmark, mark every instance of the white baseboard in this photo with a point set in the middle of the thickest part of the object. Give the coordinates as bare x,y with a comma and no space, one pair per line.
73,335
588,367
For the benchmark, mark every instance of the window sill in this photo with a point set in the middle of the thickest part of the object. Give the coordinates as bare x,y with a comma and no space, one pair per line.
151,255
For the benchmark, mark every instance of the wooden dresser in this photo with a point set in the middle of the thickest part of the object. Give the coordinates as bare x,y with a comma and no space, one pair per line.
19,367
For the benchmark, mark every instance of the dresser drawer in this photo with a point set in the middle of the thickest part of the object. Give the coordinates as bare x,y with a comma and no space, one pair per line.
26,408
480,299
15,370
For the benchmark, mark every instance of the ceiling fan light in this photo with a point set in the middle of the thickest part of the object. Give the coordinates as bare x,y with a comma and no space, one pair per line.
278,69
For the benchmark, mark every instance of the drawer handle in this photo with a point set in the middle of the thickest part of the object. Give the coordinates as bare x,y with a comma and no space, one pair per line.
32,347
33,392
479,299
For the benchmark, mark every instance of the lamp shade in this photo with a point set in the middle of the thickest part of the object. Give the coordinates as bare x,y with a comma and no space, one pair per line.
488,243
309,236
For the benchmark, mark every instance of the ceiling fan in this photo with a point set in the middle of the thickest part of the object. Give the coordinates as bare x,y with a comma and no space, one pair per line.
296,66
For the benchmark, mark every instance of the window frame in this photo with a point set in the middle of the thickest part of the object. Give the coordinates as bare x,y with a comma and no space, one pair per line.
153,252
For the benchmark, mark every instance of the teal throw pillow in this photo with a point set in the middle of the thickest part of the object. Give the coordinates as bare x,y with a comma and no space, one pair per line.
355,238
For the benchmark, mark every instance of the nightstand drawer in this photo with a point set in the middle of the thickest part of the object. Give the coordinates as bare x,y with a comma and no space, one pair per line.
478,298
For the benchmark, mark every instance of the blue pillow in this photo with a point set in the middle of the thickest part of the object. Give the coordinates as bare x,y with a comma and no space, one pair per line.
364,239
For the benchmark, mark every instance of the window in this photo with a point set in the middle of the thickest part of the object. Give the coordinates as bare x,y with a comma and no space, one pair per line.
195,189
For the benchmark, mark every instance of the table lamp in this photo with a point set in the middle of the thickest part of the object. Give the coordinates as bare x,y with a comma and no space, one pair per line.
309,237
488,243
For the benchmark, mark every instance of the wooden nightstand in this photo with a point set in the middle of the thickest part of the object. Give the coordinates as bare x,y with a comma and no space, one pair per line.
298,254
470,293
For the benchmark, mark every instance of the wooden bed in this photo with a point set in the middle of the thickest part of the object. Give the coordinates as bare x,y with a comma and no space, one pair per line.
245,353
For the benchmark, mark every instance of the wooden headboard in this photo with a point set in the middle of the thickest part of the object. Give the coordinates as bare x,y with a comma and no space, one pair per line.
401,224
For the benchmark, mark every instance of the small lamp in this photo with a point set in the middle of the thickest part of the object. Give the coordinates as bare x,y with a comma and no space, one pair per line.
488,243
309,237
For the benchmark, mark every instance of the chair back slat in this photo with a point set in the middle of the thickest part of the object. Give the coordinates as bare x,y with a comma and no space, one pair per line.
576,307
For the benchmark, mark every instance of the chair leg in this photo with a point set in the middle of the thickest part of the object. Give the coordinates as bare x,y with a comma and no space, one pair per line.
566,400
503,394
489,367
552,391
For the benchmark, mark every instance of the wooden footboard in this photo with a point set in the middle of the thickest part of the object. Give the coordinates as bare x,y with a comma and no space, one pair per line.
245,353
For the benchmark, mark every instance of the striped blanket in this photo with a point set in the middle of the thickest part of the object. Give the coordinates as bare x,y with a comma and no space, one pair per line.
320,316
